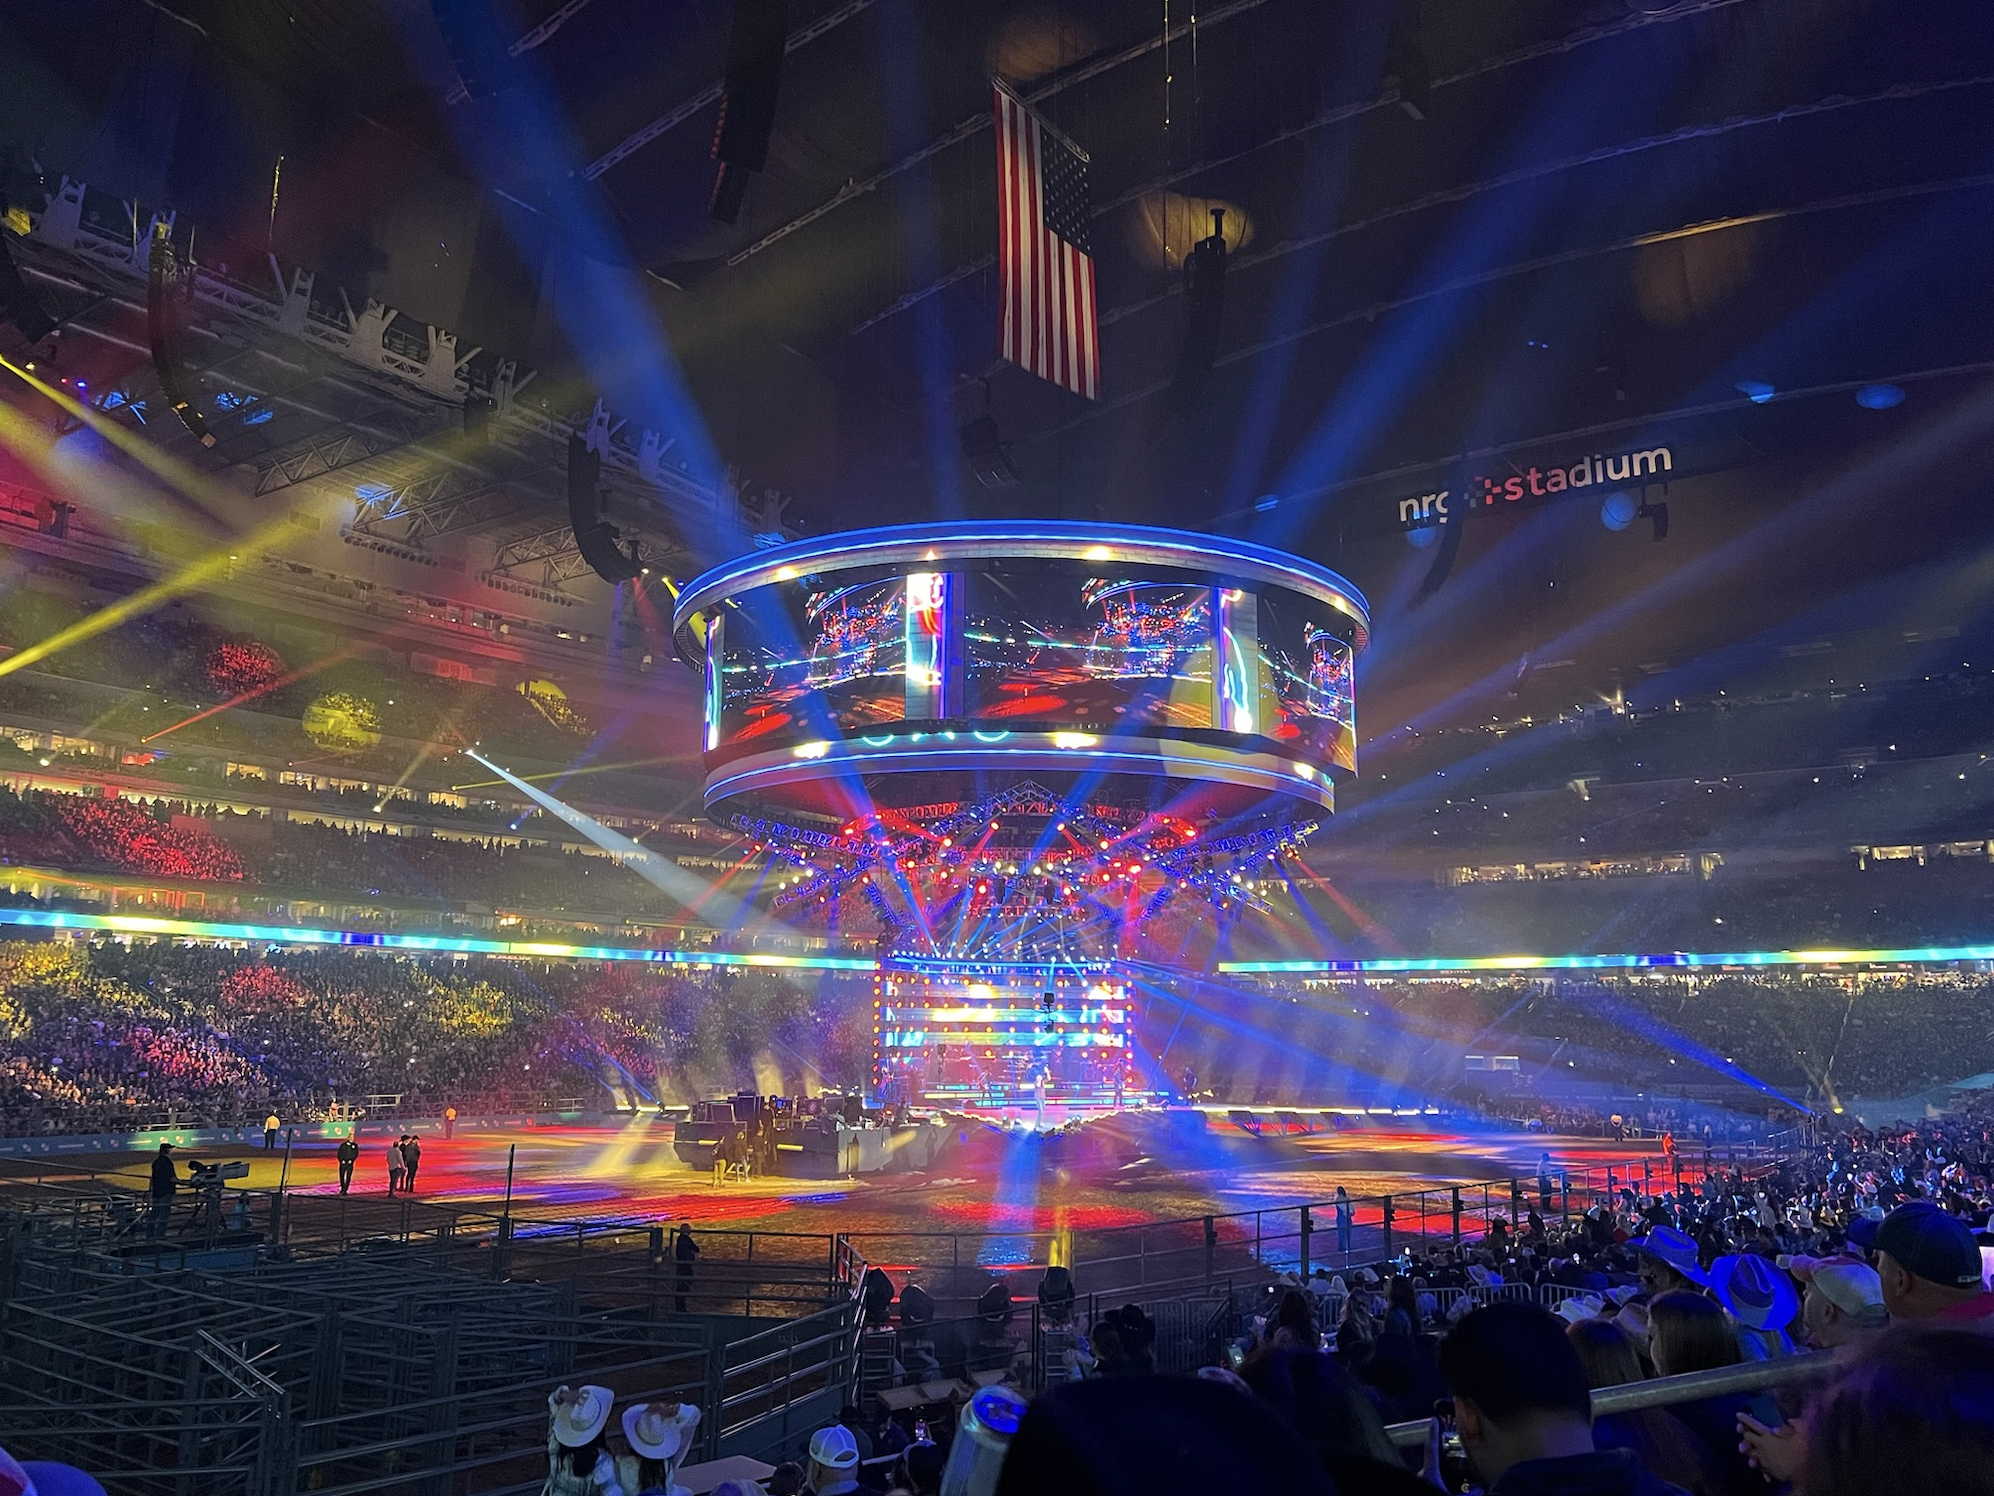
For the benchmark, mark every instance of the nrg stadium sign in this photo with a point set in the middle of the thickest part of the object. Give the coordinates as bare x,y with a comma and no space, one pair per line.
1537,485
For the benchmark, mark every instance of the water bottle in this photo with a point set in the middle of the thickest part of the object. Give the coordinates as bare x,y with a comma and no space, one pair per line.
982,1435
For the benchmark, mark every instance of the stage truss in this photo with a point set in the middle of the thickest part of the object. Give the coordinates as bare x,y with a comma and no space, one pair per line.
1021,873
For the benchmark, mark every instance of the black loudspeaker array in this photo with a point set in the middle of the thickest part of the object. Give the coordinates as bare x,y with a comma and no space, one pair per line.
989,455
747,108
1442,566
1204,290
162,327
595,537
18,304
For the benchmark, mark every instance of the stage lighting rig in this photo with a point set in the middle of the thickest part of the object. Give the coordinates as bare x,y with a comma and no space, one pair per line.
1003,737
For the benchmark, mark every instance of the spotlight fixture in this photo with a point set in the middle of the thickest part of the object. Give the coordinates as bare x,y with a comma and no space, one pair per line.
1657,515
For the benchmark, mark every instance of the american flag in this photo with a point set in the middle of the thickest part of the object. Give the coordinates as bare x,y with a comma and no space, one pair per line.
1044,251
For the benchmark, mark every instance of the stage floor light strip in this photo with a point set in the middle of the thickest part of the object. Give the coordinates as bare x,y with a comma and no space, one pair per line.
189,929
1909,956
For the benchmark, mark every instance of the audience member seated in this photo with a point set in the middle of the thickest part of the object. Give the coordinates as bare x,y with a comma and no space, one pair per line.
1661,1440
1524,1409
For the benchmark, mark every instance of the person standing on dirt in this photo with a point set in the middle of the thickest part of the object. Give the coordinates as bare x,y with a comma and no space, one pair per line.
349,1155
412,1156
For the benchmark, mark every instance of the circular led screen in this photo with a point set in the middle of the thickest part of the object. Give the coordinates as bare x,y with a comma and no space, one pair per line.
883,666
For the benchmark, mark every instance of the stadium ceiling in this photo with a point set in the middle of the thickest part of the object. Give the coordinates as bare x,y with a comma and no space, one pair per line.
1596,215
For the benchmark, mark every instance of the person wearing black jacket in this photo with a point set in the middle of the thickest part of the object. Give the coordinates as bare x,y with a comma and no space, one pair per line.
164,1184
684,1250
1524,1409
349,1155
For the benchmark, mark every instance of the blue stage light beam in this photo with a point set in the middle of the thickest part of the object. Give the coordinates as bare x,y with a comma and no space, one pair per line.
592,284
919,221
1941,440
1410,349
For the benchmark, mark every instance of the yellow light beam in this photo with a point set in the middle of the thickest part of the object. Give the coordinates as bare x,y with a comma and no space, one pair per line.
25,438
189,579
188,480
66,476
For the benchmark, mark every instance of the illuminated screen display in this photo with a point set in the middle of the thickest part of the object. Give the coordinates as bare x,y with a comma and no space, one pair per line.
948,1039
797,661
1045,645
1306,688
1054,646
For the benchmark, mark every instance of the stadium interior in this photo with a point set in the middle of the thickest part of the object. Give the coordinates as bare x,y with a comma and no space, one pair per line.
1410,661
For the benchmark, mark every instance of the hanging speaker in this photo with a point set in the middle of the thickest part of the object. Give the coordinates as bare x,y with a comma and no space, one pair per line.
162,327
1443,563
989,455
479,50
747,106
598,541
1204,291
18,304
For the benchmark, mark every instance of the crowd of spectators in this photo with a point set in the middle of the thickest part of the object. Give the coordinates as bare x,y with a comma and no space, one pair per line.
1871,1243
1864,1244
99,1037
314,859
79,831
1774,1035
126,679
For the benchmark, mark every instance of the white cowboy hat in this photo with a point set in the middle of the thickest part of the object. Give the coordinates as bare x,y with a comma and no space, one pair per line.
659,1430
1581,1307
577,1423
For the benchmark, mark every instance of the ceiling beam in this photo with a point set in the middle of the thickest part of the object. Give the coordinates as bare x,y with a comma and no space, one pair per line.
969,129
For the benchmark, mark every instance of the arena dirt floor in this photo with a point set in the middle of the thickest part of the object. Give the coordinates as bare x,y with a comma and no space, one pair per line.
1112,1173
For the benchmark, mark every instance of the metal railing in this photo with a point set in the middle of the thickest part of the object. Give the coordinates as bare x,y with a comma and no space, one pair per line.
1662,1392
1162,1258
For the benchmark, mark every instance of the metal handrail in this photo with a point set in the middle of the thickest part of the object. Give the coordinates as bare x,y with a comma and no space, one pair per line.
1661,1392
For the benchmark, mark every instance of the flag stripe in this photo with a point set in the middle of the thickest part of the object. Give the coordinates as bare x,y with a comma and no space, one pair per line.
1049,323
1007,325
